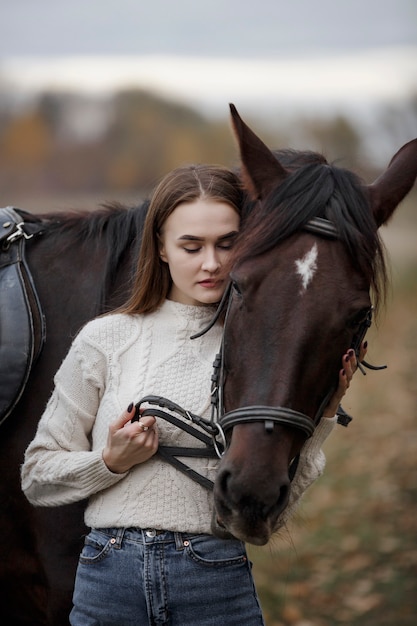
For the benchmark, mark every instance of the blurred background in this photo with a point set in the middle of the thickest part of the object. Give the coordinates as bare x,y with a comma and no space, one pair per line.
99,99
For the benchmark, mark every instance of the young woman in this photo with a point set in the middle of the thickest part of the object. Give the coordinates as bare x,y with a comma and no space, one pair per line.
150,557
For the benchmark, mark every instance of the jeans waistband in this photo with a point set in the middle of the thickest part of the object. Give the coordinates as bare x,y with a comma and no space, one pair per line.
145,536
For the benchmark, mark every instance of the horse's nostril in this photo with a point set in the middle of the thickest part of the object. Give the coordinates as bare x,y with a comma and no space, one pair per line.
283,497
272,506
223,481
260,503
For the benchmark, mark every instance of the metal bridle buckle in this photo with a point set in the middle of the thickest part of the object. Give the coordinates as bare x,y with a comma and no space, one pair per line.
220,433
18,234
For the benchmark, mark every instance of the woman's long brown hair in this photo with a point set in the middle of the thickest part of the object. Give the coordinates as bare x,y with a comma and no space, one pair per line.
152,280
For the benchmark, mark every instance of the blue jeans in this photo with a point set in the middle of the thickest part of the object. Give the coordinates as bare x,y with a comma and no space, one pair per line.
134,577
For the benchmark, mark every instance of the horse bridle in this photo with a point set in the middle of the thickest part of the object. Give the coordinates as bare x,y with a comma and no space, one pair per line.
221,421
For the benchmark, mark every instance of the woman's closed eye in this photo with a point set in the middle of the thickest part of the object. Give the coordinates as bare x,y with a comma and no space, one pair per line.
224,245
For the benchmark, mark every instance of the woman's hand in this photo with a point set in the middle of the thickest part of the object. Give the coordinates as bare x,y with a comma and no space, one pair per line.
349,367
130,443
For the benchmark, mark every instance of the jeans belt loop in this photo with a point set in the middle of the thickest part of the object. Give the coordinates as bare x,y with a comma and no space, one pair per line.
179,541
118,538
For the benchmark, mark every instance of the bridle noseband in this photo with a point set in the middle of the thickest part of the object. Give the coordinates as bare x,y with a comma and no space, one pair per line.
221,422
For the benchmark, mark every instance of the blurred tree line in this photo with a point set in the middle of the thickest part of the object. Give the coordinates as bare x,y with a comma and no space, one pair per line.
66,143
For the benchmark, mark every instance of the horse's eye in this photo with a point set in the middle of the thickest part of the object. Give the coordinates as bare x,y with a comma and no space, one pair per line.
359,318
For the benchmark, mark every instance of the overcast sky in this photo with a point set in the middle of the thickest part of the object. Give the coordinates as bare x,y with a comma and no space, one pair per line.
310,54
236,28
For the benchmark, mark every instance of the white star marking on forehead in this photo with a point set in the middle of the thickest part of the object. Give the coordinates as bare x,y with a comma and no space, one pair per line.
307,266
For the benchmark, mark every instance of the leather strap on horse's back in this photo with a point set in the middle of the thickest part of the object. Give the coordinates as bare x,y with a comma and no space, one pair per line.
22,324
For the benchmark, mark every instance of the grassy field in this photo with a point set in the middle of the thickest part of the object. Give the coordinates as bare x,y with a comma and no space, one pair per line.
350,556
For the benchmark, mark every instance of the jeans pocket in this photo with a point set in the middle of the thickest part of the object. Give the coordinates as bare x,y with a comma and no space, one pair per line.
213,552
96,547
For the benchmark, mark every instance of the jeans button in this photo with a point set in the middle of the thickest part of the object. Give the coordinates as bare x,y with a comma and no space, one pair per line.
150,533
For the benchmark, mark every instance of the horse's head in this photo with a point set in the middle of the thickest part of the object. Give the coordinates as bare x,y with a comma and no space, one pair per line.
300,295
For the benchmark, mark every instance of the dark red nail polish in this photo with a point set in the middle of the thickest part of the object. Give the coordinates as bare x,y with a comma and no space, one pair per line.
130,407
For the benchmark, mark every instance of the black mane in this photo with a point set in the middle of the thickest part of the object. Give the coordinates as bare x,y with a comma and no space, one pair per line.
115,227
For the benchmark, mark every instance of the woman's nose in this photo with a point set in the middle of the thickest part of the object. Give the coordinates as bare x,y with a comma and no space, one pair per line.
211,261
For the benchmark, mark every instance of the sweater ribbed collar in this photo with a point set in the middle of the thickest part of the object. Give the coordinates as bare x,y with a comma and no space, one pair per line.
192,316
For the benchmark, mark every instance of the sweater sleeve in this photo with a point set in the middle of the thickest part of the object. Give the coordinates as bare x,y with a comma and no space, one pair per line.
59,466
310,466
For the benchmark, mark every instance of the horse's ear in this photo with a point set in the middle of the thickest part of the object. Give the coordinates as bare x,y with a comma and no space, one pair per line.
261,171
394,184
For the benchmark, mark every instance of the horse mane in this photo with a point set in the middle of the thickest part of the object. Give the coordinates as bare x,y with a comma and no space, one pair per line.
112,219
315,188
114,226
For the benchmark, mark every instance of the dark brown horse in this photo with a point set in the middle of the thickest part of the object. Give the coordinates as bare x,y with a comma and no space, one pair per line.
298,300
302,271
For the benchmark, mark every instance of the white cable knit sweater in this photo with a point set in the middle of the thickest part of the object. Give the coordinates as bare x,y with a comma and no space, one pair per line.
115,360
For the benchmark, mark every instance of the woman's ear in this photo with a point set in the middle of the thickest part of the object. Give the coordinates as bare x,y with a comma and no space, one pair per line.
162,253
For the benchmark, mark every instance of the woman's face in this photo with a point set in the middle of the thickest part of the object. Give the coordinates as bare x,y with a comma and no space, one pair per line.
196,240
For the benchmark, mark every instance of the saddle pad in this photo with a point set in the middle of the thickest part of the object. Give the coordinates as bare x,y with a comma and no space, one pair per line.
18,326
16,343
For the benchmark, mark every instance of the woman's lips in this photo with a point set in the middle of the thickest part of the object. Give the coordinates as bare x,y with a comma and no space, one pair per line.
210,284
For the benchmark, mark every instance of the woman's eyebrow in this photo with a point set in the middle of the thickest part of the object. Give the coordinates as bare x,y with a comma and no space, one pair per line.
230,235
190,238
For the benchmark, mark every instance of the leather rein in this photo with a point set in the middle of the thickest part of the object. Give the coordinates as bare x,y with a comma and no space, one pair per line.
215,429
